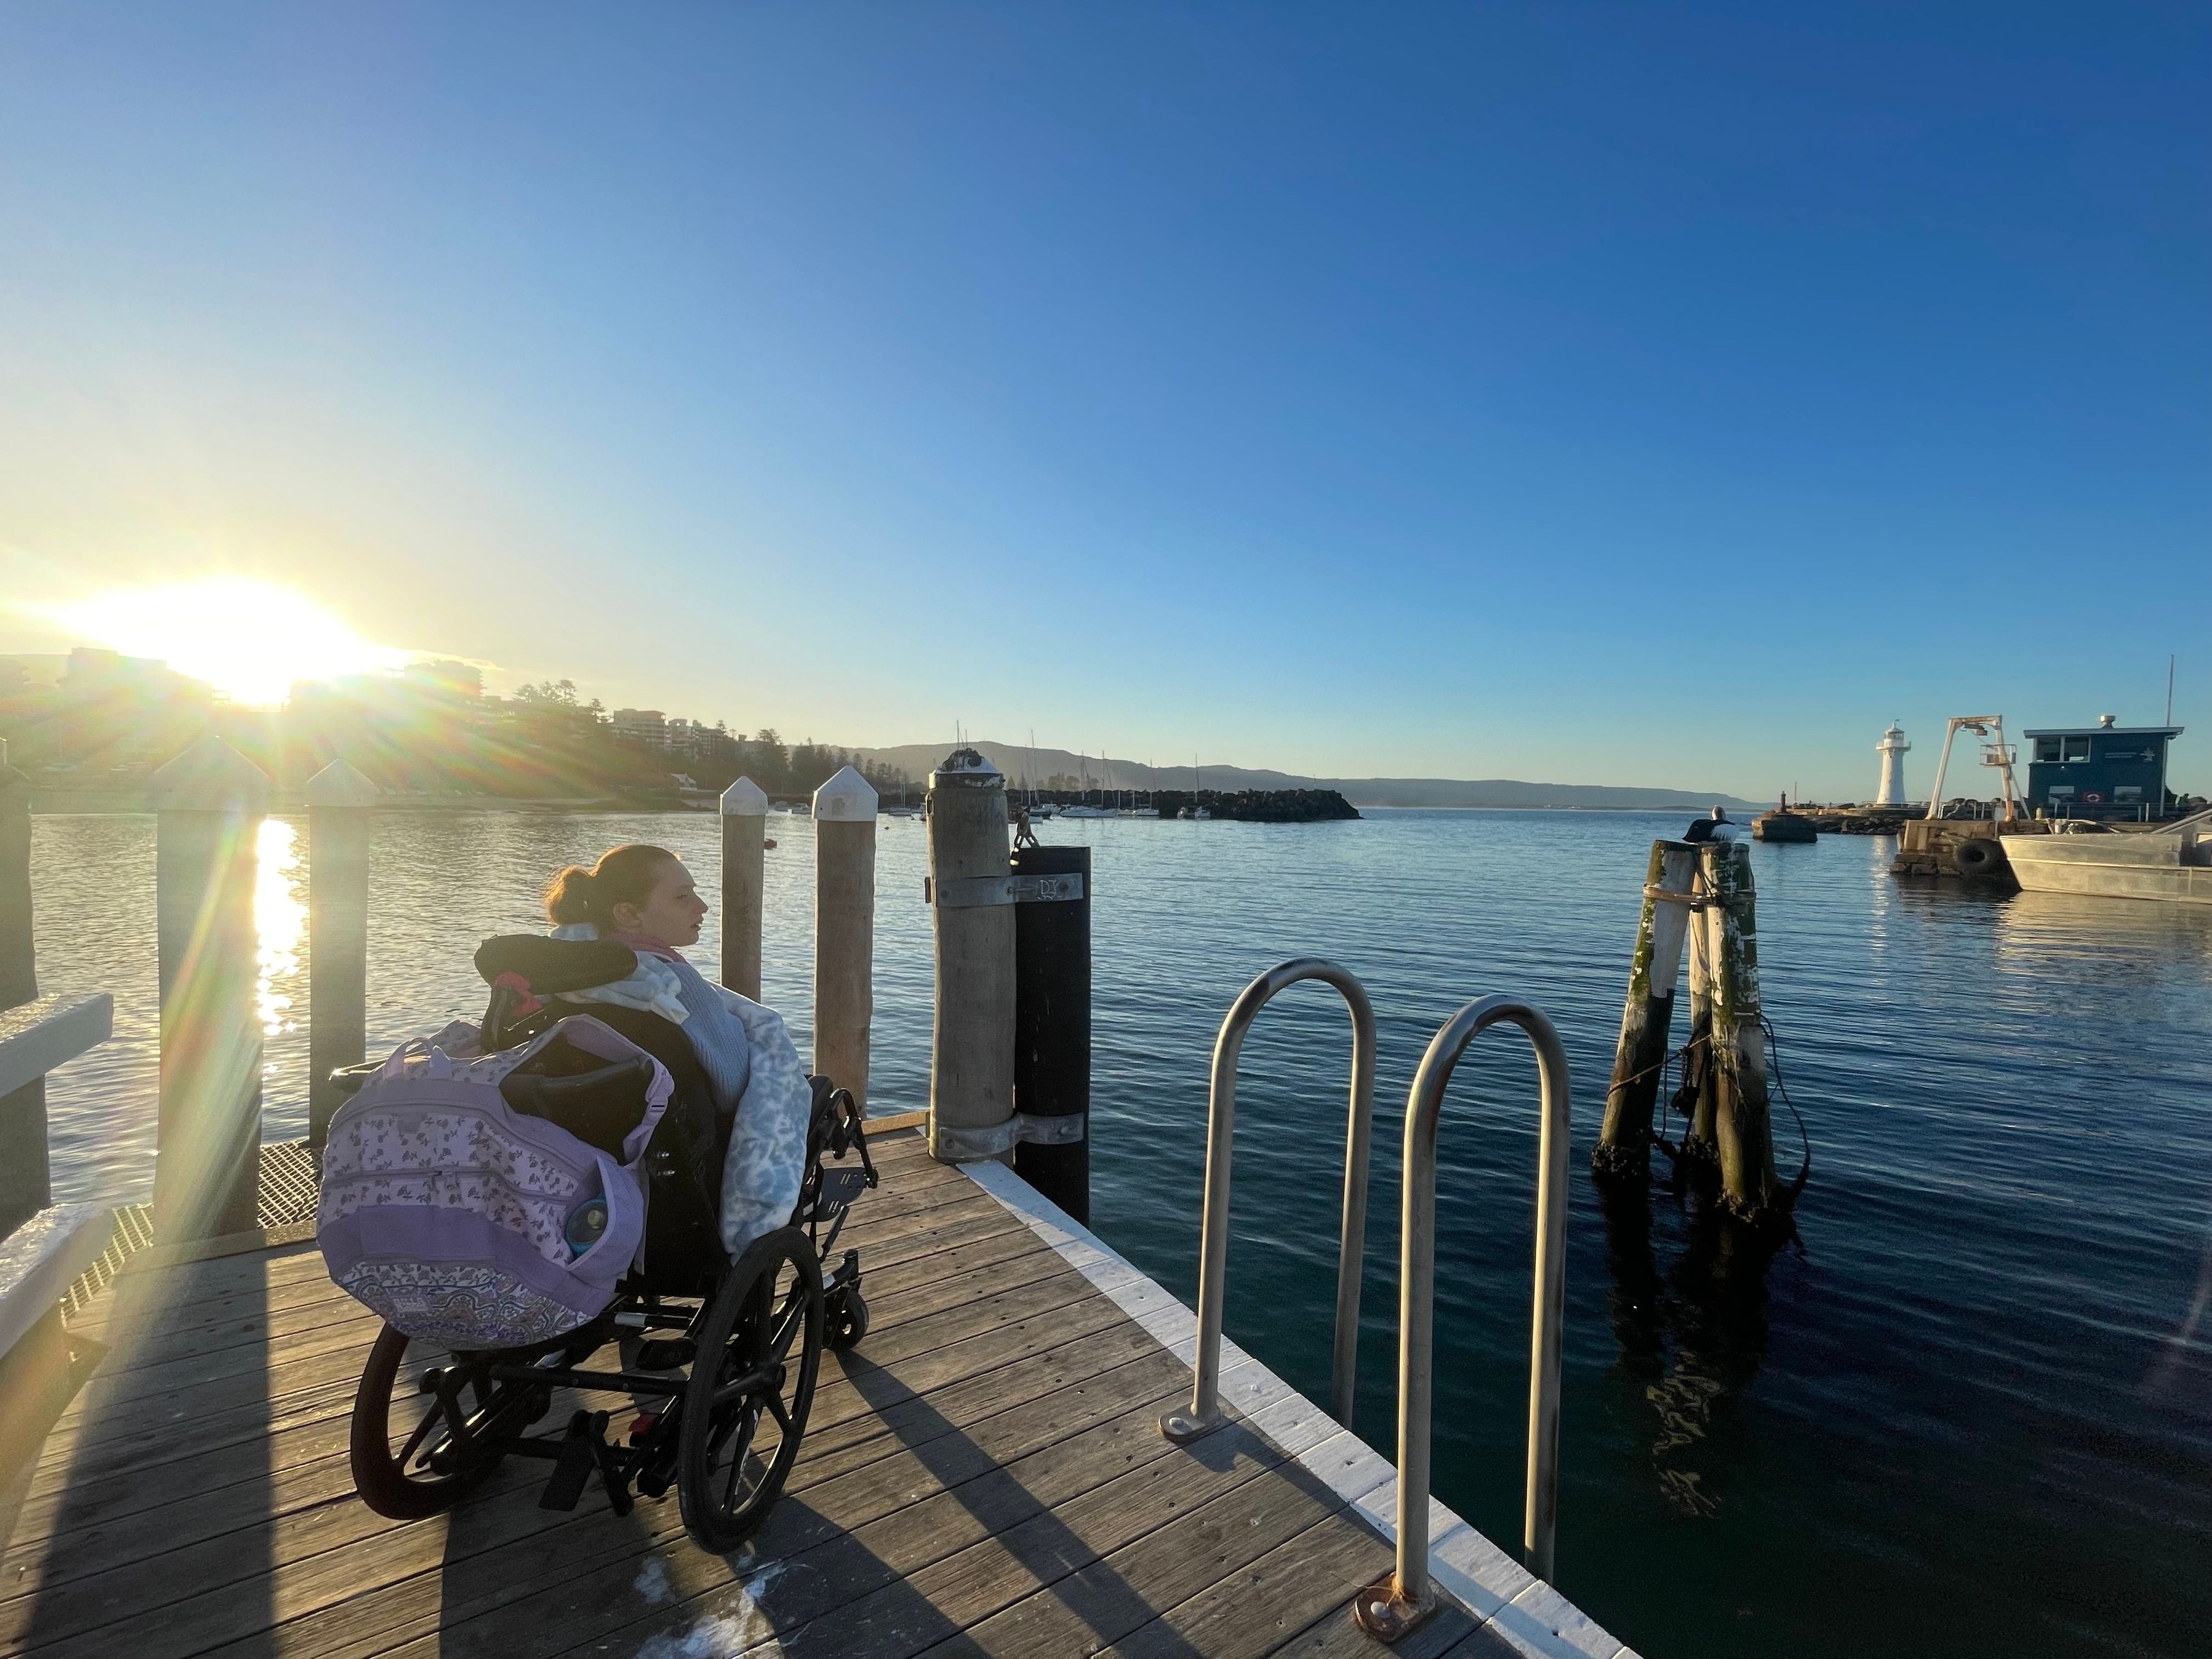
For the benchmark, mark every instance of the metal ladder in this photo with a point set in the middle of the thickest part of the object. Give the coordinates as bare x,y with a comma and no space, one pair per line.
1203,1415
1402,1600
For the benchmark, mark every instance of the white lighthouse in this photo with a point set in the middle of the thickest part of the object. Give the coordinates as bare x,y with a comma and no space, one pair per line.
1892,750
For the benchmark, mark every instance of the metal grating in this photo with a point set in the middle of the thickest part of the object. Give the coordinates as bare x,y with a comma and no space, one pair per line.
134,1231
289,1186
289,1182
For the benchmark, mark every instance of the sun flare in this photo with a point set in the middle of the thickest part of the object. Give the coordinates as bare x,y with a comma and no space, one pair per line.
250,640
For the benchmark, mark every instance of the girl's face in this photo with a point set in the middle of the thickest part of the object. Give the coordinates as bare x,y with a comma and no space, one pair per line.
672,913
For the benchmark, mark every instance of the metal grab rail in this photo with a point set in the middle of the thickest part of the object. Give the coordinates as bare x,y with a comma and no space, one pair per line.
1204,1414
1399,1601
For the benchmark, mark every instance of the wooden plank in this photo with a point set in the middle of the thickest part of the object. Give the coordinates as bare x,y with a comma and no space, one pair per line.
891,1123
1216,1504
516,1603
1248,1612
1156,1561
325,1554
57,1542
241,1324
909,1290
905,1183
116,1456
1485,1643
850,1594
1335,1636
218,1382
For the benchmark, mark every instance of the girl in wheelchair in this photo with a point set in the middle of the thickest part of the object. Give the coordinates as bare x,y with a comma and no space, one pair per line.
643,897
621,1150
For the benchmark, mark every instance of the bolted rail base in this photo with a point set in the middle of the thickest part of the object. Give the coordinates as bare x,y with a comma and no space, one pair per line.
1184,1425
1389,1616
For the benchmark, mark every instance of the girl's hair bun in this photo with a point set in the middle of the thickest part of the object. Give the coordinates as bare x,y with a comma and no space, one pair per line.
568,895
625,875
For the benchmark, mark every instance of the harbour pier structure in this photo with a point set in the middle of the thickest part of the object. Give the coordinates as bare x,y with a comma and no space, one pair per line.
983,1472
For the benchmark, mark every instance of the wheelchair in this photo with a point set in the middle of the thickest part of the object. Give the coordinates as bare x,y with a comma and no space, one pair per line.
720,1358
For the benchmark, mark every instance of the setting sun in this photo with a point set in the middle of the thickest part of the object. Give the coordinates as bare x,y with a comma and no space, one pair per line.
250,639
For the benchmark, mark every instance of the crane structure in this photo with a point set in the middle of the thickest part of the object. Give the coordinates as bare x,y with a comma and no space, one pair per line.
1996,752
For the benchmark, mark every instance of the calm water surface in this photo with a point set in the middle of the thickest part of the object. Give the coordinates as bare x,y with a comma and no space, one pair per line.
1971,1412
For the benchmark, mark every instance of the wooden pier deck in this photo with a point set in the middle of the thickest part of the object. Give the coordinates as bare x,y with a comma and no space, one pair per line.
982,1476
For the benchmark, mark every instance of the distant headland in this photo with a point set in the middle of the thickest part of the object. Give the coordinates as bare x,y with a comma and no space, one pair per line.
91,727
1058,770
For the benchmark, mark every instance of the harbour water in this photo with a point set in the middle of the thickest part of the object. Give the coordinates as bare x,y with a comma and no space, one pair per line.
1969,1412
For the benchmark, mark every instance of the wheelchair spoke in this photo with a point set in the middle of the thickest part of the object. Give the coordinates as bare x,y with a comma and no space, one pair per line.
421,1429
793,1321
737,1456
774,1401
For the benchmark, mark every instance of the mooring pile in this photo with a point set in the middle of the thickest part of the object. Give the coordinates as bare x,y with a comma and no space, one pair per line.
1699,895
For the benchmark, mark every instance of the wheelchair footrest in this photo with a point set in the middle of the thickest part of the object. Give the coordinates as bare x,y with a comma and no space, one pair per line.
580,1456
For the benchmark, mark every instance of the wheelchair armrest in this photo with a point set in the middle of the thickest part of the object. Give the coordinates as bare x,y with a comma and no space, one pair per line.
348,1079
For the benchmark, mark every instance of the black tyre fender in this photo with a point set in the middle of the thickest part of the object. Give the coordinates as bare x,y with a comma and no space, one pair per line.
1979,855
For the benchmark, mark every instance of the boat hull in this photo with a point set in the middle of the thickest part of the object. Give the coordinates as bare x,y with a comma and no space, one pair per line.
2110,867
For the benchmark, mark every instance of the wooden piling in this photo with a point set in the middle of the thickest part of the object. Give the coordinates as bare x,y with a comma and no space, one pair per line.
340,800
1700,1148
25,1184
210,801
971,1062
745,827
1052,1026
1750,1189
844,929
1623,1151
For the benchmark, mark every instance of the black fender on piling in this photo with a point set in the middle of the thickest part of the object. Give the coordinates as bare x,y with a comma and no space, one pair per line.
1052,1029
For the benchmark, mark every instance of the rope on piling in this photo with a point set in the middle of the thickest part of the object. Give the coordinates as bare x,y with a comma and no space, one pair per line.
1774,1066
1683,1101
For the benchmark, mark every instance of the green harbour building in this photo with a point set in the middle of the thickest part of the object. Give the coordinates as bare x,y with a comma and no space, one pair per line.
2101,771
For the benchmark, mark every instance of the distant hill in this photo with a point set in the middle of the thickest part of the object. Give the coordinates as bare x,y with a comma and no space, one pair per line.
1045,768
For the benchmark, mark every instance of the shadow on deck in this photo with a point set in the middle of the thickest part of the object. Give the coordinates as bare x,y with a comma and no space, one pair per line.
984,1475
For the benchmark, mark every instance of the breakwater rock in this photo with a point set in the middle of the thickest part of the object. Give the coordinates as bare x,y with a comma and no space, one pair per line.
1258,805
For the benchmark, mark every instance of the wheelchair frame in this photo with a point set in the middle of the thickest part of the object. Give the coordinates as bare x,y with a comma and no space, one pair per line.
762,1327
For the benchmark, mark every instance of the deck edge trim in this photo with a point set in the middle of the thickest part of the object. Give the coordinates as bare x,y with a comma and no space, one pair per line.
1495,1591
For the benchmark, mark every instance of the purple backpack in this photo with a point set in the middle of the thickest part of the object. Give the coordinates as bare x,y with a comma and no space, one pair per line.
464,1222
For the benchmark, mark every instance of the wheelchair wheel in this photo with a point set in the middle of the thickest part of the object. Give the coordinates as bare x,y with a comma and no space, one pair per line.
751,1387
847,1318
406,1463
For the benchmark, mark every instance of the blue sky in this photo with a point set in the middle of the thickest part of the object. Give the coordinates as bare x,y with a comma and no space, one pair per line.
1623,394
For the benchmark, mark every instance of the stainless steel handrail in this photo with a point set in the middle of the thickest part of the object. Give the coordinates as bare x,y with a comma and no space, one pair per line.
1401,1601
1204,1414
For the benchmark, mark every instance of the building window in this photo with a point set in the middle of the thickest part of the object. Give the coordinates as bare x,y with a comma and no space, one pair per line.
2046,751
2075,748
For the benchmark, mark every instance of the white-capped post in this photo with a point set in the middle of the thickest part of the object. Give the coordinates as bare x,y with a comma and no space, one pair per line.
745,827
844,929
210,802
340,799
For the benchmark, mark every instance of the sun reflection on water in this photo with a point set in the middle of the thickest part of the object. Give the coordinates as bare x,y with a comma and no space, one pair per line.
280,920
